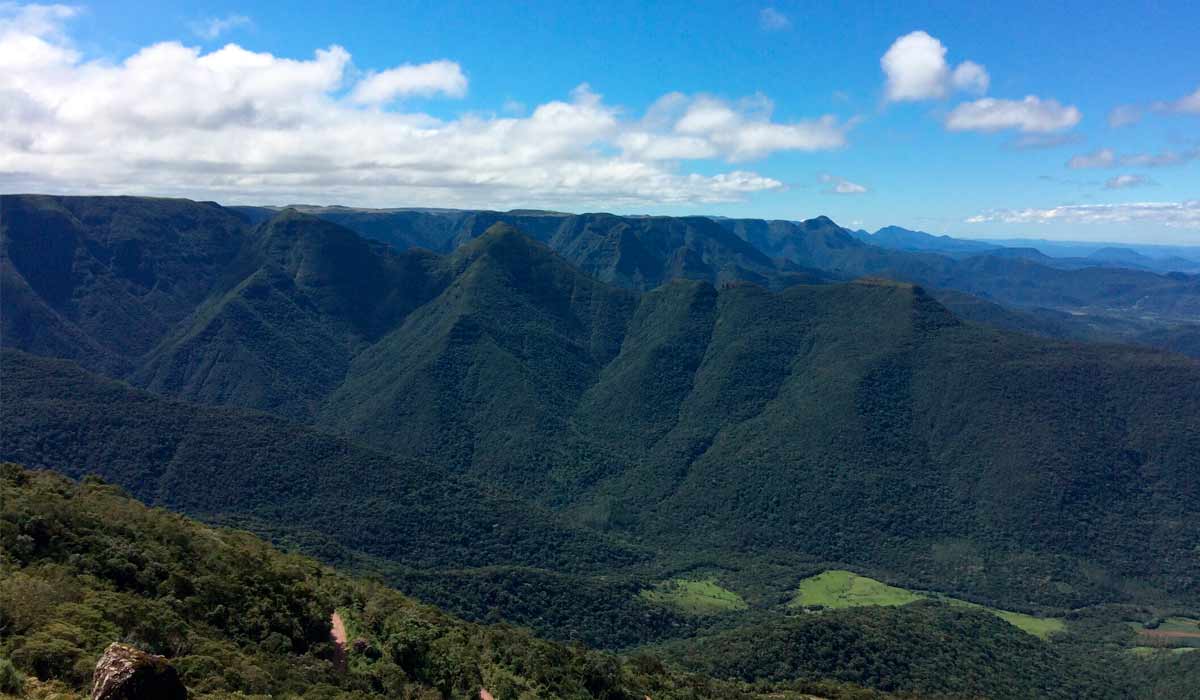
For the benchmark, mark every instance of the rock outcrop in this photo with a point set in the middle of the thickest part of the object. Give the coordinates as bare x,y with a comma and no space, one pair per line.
127,673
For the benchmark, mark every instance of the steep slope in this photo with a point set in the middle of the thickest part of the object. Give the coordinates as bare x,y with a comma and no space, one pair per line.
218,462
913,648
863,421
482,374
859,423
635,252
82,565
101,279
282,339
643,252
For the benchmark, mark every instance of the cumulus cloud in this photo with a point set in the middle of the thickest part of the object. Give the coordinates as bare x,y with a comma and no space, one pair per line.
1121,182
773,20
1185,214
840,185
1031,114
234,124
1106,158
214,27
437,77
679,126
970,77
916,69
1188,104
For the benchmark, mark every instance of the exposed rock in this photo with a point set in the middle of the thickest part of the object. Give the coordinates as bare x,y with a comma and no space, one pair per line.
126,673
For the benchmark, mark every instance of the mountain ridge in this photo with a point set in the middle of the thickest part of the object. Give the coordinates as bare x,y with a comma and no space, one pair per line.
504,362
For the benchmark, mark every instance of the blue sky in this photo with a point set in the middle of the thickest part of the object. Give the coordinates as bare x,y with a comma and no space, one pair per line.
776,110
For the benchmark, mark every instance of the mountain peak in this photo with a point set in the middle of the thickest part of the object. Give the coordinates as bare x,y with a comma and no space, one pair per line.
506,243
501,230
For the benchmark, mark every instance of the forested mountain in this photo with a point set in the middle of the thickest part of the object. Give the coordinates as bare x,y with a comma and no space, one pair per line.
625,406
640,252
636,252
102,279
998,275
1121,302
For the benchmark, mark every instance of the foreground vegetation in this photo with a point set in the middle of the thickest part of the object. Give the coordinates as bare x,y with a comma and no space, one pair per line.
82,565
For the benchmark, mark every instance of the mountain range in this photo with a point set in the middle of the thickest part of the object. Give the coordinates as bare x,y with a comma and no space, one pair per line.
1104,295
579,410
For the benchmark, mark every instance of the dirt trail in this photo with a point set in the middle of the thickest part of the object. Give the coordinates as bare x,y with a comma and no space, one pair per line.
485,695
337,634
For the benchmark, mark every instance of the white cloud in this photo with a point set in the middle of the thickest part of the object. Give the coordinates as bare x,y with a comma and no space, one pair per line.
1124,115
971,77
679,126
240,125
444,77
1185,214
1103,158
1106,158
1121,182
214,27
840,185
35,20
773,20
1158,160
916,69
1031,114
1188,104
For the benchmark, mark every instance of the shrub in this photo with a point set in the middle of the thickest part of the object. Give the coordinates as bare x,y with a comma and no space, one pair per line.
11,681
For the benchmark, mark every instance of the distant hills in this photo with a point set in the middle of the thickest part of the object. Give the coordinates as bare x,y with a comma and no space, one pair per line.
1064,254
898,238
603,406
1123,302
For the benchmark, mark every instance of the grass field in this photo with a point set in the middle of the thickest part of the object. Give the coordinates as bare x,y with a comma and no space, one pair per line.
695,597
1038,626
846,589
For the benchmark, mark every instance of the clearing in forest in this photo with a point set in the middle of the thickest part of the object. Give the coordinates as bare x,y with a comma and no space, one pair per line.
846,589
1180,632
695,597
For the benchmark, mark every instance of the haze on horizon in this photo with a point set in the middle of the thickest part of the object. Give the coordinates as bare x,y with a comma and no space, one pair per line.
977,122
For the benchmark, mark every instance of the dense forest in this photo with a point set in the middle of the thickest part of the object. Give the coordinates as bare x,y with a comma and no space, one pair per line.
530,426
83,564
